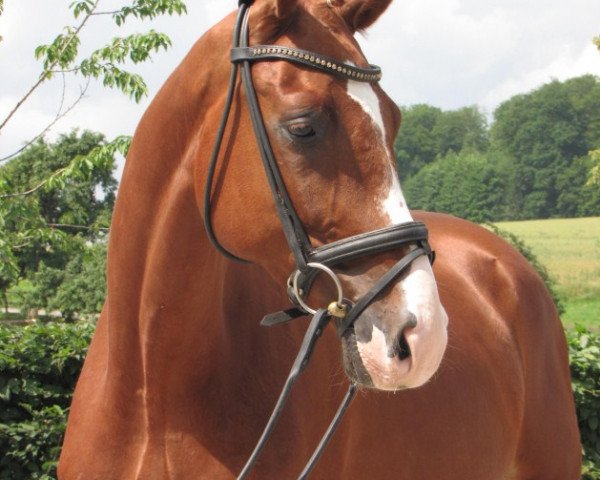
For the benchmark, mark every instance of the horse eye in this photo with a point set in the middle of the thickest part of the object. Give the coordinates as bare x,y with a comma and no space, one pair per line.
301,130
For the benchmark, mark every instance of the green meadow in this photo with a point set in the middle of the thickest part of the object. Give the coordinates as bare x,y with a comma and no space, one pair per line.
570,250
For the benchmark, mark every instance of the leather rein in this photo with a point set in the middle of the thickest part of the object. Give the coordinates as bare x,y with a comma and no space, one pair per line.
309,260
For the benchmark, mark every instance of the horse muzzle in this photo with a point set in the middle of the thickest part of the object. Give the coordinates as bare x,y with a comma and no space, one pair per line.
399,341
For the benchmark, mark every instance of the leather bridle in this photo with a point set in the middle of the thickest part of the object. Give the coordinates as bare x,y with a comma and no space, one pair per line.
309,260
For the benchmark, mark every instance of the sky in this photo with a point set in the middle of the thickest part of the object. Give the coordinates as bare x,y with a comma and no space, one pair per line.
447,53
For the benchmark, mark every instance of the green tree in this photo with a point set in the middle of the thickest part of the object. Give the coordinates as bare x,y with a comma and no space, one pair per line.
415,145
577,197
468,185
83,286
462,129
594,176
45,220
428,132
544,132
39,365
35,218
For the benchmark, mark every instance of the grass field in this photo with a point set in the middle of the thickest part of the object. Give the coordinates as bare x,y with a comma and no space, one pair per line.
570,250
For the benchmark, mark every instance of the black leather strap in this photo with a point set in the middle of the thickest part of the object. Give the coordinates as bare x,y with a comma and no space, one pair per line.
314,331
292,225
314,60
370,243
383,283
284,316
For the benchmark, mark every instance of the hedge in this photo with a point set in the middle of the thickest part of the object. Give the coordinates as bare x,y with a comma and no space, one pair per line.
584,352
39,365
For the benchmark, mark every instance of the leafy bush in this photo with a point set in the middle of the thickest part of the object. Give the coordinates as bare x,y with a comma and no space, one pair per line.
77,288
584,350
39,365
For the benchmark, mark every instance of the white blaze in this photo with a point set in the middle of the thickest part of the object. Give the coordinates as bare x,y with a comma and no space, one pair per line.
393,204
428,339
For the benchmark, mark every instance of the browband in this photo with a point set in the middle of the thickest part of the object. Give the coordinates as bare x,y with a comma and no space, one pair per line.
310,59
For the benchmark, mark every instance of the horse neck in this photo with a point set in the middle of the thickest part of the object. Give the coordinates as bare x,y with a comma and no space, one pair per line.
170,294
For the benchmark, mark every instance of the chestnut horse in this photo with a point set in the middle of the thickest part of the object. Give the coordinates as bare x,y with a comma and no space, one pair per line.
180,378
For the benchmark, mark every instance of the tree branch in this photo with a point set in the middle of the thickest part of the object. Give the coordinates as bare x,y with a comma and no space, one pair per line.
80,227
50,67
106,13
34,189
58,117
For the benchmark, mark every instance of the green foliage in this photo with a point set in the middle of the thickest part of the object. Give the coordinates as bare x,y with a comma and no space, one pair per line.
577,195
82,288
78,288
89,166
538,159
415,145
468,185
428,133
39,365
106,63
544,133
137,47
69,182
149,9
594,174
584,349
55,198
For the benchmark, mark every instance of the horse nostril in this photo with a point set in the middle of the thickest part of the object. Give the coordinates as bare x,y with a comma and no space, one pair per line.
402,348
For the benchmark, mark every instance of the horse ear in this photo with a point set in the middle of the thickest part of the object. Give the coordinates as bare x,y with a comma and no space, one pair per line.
269,18
361,14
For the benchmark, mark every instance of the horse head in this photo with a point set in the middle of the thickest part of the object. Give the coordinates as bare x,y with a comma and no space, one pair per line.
332,140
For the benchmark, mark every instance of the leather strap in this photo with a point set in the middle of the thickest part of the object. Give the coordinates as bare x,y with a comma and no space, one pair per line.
369,243
313,332
384,282
292,225
317,61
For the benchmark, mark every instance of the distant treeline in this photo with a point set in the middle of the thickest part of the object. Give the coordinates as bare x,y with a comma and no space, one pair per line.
531,162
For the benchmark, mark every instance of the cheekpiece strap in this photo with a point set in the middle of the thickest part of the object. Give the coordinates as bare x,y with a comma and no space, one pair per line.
310,59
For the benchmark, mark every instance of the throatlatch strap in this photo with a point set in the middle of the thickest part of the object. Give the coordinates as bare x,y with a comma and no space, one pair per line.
217,148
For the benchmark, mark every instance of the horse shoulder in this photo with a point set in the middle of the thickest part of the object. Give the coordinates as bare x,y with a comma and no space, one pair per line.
516,312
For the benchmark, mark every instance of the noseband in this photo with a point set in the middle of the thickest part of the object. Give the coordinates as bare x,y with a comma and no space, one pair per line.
309,260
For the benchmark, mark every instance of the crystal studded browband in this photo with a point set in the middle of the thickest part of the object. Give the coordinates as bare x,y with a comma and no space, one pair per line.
309,59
